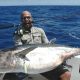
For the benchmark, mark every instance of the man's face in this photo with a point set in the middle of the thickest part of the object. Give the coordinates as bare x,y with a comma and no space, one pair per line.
26,18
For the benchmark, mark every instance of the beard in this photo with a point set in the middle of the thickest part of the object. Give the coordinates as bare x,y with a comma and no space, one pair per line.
27,27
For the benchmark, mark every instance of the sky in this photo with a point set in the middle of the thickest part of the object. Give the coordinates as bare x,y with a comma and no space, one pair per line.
39,2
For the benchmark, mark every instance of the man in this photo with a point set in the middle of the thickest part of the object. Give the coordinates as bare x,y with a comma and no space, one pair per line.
29,34
33,35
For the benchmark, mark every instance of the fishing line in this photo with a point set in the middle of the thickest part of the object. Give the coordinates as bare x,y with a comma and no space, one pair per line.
74,36
75,33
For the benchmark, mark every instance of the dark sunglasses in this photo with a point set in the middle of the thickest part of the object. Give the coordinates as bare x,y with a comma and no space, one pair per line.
28,17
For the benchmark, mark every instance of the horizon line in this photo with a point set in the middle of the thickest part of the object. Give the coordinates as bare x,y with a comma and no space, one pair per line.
42,5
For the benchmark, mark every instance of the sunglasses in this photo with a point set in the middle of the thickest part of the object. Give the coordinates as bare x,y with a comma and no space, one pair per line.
28,17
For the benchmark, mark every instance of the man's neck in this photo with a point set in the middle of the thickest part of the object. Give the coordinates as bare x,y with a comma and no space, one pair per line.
27,27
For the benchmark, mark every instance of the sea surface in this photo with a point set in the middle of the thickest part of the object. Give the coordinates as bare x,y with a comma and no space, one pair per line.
60,23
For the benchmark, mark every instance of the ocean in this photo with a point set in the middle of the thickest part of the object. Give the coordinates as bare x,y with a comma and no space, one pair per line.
60,23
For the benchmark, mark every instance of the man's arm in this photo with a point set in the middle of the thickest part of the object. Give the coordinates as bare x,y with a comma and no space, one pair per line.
44,37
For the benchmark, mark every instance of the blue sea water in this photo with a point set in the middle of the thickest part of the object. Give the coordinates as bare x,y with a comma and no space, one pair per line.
61,23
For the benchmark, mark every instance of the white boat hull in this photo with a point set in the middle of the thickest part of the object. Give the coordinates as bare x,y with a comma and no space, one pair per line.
75,70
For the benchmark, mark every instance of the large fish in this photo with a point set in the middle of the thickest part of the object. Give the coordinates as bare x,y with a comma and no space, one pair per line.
35,58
